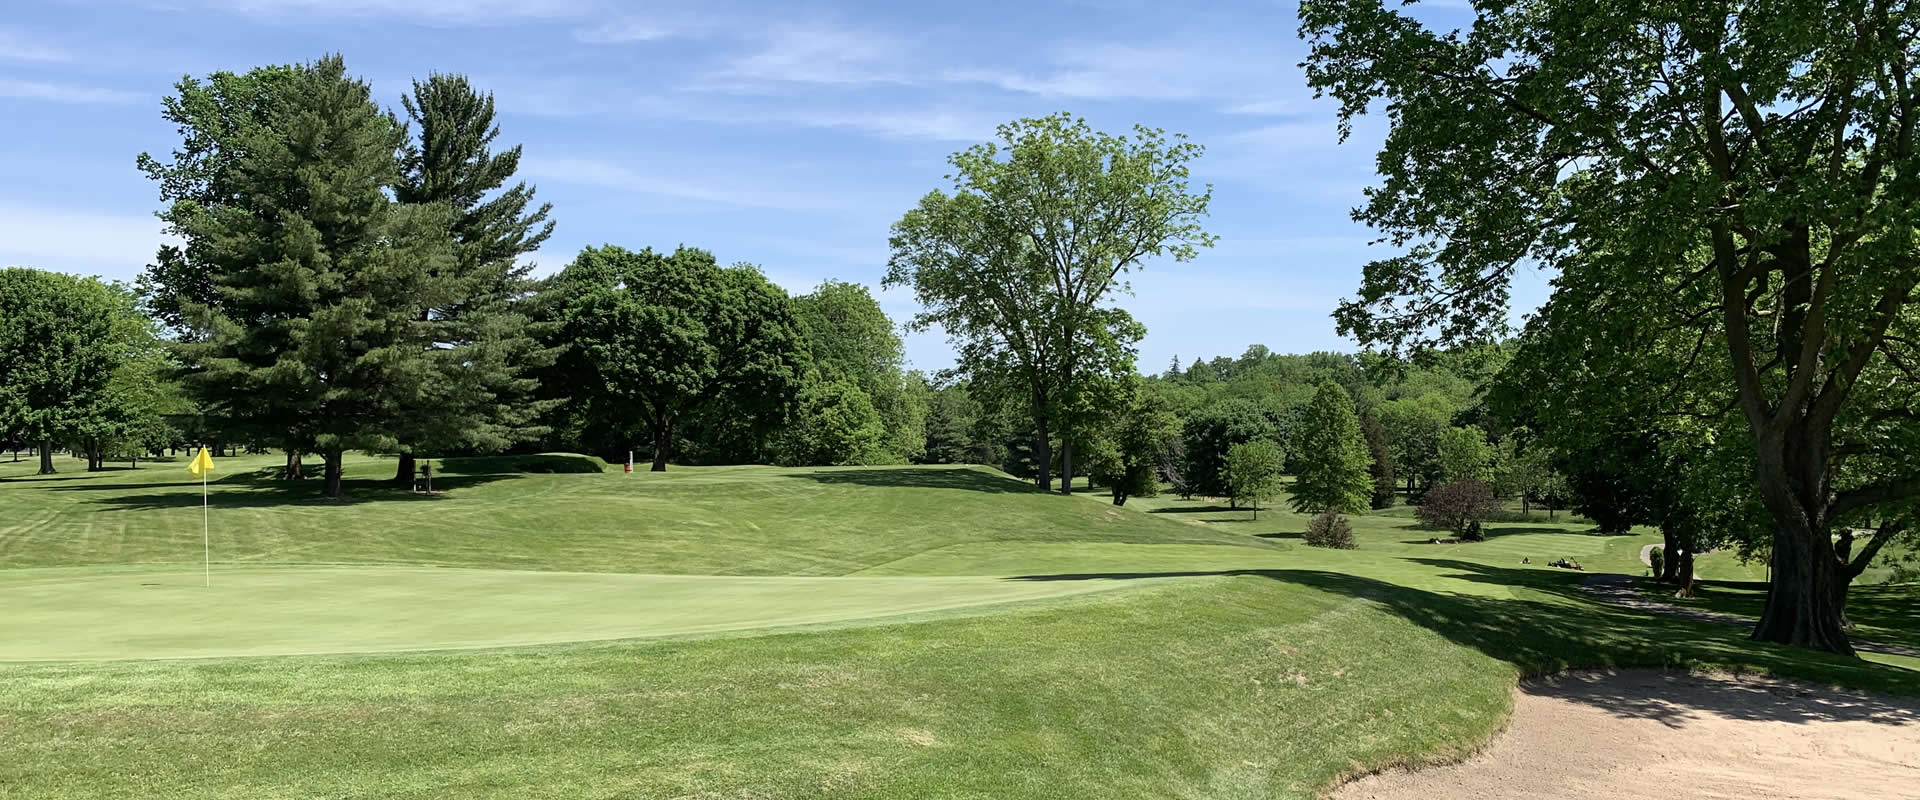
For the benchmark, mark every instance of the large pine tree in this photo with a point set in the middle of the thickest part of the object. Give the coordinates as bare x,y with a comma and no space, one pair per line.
482,398
310,337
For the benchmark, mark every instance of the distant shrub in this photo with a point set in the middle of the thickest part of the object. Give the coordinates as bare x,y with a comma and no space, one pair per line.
1329,529
1459,507
1658,558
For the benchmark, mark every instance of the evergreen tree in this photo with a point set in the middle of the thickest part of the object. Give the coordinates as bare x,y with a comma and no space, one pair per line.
310,338
1334,461
482,398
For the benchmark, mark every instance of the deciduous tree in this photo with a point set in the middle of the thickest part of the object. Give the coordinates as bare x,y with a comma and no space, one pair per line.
1017,262
1332,456
1759,157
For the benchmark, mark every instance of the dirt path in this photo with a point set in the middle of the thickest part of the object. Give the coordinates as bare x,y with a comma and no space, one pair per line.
1658,735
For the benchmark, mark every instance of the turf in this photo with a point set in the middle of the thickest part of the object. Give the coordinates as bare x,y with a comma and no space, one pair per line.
109,614
1227,659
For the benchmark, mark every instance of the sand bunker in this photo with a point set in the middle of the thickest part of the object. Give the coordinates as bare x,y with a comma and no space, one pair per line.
1658,735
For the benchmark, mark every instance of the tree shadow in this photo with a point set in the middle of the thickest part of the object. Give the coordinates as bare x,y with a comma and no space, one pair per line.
1194,510
256,490
963,478
537,463
1558,628
1675,698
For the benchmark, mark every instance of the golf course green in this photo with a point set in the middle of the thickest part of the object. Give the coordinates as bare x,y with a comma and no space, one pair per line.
544,627
105,614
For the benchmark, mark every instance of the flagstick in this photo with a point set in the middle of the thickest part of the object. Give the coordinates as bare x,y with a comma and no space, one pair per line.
206,532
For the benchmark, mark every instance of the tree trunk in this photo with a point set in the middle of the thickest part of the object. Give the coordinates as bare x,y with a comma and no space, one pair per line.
1669,566
332,458
1042,455
1804,605
662,436
403,474
1066,465
46,457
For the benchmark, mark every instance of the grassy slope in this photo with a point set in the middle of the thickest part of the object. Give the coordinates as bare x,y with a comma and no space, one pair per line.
1271,670
700,520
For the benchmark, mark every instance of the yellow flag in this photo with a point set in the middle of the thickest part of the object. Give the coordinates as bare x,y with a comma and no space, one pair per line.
201,464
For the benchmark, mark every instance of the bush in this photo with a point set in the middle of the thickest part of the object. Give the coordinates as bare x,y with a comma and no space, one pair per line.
1329,529
1658,557
1459,507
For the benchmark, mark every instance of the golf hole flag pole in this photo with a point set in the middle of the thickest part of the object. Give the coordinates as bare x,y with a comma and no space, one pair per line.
200,466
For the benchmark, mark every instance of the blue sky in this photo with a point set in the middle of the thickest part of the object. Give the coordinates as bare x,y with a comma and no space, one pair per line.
789,135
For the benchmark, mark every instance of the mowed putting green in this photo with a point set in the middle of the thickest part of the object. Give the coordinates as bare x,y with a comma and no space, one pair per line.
119,614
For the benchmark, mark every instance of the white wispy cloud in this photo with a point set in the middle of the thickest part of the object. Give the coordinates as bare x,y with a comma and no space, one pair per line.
64,93
709,188
814,54
115,247
634,29
1180,67
19,46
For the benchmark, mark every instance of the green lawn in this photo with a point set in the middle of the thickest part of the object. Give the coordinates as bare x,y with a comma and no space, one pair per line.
1222,659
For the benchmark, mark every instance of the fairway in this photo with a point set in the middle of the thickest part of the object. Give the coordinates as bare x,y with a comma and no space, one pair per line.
68,614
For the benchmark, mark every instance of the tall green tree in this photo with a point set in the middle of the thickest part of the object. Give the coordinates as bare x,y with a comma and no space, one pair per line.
308,338
482,398
1380,458
1128,453
1253,471
60,346
1462,454
1761,153
653,339
1413,426
836,425
1212,432
1017,263
1334,461
214,118
851,339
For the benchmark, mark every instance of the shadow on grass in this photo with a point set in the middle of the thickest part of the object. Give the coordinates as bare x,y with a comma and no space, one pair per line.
540,463
1195,510
1557,627
972,480
262,489
1883,612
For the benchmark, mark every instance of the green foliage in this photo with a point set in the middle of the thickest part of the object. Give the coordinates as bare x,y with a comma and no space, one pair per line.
482,395
1334,463
851,339
1329,529
1657,557
307,340
66,349
1413,426
1018,262
1212,432
656,339
1462,454
1380,466
1126,456
1753,260
1253,473
836,425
